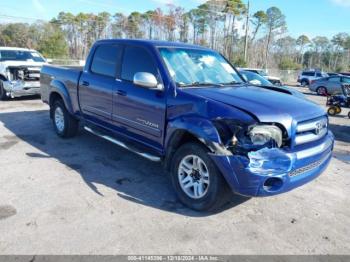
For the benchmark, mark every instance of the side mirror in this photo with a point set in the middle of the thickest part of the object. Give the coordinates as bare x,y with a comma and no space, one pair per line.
147,80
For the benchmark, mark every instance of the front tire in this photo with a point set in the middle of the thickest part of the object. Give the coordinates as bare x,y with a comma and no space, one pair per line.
3,95
196,179
322,91
64,124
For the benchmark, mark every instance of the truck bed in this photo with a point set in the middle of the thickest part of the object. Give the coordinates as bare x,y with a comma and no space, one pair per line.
55,75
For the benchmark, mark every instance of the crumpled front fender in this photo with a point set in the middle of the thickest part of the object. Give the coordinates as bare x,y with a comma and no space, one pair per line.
203,129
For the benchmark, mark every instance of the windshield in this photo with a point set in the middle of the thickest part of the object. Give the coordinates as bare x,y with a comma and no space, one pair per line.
255,79
262,73
19,55
194,67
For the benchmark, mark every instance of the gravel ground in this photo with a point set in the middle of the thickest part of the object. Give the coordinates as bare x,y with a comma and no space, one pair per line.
88,196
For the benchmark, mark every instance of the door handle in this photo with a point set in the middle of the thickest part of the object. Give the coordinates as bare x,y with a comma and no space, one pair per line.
121,93
85,83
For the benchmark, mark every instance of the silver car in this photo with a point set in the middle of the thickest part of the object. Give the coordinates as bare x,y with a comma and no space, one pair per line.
329,85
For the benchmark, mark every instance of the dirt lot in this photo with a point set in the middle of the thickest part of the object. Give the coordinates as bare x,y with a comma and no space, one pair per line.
88,196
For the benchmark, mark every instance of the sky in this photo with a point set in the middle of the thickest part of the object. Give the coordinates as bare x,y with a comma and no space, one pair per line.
310,17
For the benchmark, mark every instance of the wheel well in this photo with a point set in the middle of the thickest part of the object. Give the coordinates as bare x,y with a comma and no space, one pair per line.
3,78
178,139
304,80
321,87
54,96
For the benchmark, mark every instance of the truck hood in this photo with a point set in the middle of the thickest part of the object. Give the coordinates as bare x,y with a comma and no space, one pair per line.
21,63
266,105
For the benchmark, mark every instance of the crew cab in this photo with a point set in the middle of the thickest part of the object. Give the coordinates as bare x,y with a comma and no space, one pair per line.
19,72
189,108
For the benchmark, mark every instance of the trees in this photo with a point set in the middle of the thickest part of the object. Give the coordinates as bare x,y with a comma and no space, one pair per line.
275,23
214,23
302,42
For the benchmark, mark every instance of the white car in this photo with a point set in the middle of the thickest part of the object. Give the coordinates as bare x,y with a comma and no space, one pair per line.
306,77
19,72
274,80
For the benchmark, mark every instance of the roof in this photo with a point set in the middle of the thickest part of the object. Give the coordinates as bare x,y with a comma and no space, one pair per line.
15,48
155,43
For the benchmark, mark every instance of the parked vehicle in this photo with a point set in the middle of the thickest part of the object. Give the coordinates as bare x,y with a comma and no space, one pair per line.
274,80
188,107
258,80
333,74
306,77
19,72
337,102
329,85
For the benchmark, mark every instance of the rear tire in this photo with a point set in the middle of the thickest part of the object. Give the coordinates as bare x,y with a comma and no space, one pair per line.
197,181
304,83
349,115
64,124
3,95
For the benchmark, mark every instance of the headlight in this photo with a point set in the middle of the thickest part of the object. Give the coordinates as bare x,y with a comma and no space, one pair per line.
264,134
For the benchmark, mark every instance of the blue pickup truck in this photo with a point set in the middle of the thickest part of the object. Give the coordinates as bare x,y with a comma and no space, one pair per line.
189,108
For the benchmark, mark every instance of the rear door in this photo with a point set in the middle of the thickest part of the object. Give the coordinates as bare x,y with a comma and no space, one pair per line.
334,85
139,110
97,83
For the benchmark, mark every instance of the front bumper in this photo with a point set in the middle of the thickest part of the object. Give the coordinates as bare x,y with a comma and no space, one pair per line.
307,164
21,88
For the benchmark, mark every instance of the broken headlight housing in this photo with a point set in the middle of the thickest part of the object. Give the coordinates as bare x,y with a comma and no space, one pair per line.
261,135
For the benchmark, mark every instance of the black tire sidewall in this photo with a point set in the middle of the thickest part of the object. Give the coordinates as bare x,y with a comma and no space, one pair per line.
321,88
329,111
3,95
216,182
60,104
304,83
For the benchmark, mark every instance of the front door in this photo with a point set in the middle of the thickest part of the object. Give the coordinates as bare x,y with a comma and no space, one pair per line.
139,110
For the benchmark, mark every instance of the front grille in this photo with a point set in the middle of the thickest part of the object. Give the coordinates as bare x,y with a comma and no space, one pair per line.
312,130
26,74
309,167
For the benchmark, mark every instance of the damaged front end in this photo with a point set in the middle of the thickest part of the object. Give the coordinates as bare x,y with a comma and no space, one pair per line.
22,81
262,161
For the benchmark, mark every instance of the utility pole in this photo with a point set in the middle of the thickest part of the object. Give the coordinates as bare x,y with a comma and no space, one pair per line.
246,35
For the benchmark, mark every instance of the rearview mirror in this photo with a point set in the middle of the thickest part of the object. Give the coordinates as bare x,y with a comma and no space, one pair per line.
146,80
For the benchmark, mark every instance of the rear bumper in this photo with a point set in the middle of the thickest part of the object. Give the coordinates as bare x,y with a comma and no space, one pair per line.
21,88
306,165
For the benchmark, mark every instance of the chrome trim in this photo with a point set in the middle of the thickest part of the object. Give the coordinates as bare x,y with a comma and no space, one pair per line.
121,144
309,167
314,150
309,137
311,130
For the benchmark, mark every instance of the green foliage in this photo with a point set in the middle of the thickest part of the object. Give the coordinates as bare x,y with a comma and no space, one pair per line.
239,62
54,45
288,64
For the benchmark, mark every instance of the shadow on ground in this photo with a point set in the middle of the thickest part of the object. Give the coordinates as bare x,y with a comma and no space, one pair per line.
341,132
99,162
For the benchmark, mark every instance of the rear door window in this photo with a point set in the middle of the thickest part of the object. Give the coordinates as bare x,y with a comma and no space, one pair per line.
308,74
105,61
135,60
334,79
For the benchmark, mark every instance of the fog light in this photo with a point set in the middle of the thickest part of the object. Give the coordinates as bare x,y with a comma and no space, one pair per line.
273,184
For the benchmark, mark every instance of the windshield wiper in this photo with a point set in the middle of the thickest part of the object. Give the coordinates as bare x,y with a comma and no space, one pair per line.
197,84
231,83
